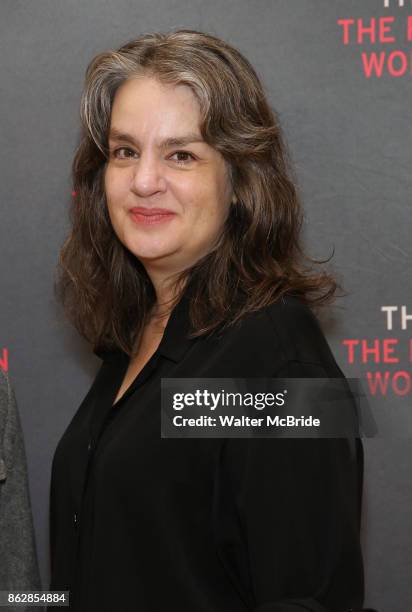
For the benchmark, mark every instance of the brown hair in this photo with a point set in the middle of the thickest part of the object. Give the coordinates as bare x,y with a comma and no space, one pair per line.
104,288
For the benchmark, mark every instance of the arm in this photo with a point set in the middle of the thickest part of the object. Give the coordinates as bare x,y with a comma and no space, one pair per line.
18,568
297,502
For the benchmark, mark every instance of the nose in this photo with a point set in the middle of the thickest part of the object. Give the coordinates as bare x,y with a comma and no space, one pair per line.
148,176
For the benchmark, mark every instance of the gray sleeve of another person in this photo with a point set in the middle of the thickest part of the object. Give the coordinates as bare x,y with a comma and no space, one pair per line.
19,569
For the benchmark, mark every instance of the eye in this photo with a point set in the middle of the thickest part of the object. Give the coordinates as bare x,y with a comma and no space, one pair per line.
184,153
126,153
116,153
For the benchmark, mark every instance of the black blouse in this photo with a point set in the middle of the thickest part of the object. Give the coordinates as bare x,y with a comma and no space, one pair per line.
140,523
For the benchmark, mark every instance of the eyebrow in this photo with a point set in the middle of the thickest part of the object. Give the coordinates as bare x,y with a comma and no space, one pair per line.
172,141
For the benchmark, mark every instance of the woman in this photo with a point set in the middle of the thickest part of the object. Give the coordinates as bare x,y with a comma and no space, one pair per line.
184,261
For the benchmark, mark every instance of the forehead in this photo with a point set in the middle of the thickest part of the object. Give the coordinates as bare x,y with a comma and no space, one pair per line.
144,103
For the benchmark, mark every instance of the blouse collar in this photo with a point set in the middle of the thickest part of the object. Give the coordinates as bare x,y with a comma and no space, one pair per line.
174,343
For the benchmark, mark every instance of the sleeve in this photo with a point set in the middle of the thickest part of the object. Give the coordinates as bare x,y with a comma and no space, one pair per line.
19,566
292,542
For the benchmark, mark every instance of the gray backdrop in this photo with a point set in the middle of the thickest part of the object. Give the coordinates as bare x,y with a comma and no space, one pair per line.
348,126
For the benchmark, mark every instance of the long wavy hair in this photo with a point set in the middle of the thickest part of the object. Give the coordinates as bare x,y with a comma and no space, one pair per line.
104,288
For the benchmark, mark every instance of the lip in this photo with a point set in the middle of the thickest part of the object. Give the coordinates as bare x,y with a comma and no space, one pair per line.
142,210
150,216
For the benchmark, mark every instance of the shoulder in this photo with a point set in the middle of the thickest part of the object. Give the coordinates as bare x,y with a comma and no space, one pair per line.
296,327
8,404
297,334
9,419
107,354
5,391
4,377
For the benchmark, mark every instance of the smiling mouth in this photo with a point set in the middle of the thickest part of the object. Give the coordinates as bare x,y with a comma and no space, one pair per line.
150,217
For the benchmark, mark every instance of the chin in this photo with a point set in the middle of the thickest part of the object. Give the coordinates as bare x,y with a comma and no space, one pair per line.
150,253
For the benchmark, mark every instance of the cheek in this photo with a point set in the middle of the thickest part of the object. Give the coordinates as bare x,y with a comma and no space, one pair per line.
206,217
114,190
199,196
211,203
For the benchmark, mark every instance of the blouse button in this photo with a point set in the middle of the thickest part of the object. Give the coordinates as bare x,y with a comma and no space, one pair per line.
75,519
89,446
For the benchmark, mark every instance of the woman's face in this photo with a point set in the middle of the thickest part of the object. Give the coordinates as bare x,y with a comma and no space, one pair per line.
185,176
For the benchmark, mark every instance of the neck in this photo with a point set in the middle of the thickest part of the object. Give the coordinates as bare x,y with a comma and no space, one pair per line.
166,291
